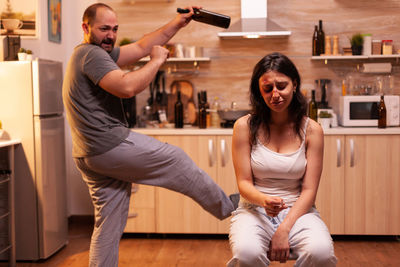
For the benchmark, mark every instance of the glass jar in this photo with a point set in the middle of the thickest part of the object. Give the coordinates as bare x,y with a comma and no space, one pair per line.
387,47
376,47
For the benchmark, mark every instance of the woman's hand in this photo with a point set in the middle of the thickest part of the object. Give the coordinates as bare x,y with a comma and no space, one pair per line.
279,249
273,205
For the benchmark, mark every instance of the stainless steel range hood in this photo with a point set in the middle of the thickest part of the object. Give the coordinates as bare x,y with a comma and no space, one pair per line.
254,23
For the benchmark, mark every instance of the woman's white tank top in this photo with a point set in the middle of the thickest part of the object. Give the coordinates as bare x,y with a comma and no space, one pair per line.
279,174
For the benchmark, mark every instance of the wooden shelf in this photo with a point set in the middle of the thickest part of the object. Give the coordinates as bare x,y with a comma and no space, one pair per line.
361,57
183,59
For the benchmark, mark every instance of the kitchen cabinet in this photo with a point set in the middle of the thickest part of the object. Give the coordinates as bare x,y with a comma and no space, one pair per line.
372,185
177,213
330,197
141,216
359,191
174,212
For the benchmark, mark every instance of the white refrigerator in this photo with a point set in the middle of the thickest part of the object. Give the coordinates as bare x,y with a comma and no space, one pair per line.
31,109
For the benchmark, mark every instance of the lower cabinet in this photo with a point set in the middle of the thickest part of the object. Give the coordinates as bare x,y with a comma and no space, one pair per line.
359,191
174,212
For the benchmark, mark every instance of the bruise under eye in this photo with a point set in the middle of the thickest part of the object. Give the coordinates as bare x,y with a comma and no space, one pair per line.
268,87
279,85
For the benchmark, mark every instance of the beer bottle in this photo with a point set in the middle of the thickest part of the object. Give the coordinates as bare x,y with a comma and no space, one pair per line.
382,113
312,107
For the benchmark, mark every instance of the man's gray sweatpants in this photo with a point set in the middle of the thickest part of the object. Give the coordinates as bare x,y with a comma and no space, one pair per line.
144,160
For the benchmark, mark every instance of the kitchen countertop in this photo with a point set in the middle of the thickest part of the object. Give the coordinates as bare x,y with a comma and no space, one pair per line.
4,143
228,131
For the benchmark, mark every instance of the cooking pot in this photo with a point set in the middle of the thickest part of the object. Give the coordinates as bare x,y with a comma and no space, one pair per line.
232,114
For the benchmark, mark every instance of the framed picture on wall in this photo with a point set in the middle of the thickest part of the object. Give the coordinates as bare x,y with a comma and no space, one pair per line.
54,20
18,17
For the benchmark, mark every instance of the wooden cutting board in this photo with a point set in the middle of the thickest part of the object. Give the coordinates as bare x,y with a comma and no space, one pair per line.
187,96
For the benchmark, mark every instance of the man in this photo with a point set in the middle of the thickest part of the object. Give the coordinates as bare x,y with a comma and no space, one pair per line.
108,154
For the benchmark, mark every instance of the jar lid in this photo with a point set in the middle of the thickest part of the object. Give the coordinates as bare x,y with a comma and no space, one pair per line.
376,41
387,41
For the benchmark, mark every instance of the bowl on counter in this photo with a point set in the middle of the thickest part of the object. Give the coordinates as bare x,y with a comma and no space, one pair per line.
232,114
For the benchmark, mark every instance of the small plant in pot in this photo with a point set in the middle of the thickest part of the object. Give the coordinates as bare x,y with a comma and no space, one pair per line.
324,118
357,41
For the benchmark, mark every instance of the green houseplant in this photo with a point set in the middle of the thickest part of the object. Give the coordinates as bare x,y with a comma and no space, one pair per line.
357,41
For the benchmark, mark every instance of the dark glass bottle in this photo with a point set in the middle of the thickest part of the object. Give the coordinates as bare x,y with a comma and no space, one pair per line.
205,16
382,113
321,39
315,42
178,111
312,107
202,111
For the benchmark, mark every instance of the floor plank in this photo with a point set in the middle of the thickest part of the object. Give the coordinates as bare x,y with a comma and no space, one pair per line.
202,251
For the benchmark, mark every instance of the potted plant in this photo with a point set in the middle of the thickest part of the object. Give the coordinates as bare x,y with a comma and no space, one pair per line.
29,54
357,41
324,119
21,54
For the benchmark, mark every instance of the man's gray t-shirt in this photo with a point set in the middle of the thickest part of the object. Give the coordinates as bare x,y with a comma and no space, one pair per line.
95,116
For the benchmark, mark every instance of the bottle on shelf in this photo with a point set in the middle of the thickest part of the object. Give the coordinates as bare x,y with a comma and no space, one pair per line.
315,42
344,88
382,113
178,111
312,107
321,39
328,49
335,49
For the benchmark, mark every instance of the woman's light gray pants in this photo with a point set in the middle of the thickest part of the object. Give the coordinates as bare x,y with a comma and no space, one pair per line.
144,160
252,229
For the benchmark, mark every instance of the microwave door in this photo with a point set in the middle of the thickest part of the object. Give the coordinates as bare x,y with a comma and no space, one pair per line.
47,77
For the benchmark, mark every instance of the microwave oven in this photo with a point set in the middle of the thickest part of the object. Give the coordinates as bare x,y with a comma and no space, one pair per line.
362,110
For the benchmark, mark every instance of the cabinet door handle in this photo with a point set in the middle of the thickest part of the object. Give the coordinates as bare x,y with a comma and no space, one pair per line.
132,215
339,152
223,146
210,152
351,153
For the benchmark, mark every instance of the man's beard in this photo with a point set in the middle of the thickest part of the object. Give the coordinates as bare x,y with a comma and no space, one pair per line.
108,41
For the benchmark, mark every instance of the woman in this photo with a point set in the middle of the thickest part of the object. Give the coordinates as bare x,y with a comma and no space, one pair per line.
277,155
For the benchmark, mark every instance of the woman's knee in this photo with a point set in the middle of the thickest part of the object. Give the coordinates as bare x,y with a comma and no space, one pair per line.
320,253
249,255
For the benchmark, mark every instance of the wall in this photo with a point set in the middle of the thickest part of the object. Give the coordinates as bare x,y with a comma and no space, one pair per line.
228,73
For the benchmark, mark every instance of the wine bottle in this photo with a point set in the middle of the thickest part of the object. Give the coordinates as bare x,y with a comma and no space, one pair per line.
202,111
178,111
315,42
312,107
382,113
321,39
208,17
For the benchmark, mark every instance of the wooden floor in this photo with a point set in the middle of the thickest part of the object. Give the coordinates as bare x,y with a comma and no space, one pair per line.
204,251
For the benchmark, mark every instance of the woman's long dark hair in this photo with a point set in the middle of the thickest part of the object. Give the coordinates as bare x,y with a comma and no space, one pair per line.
261,113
